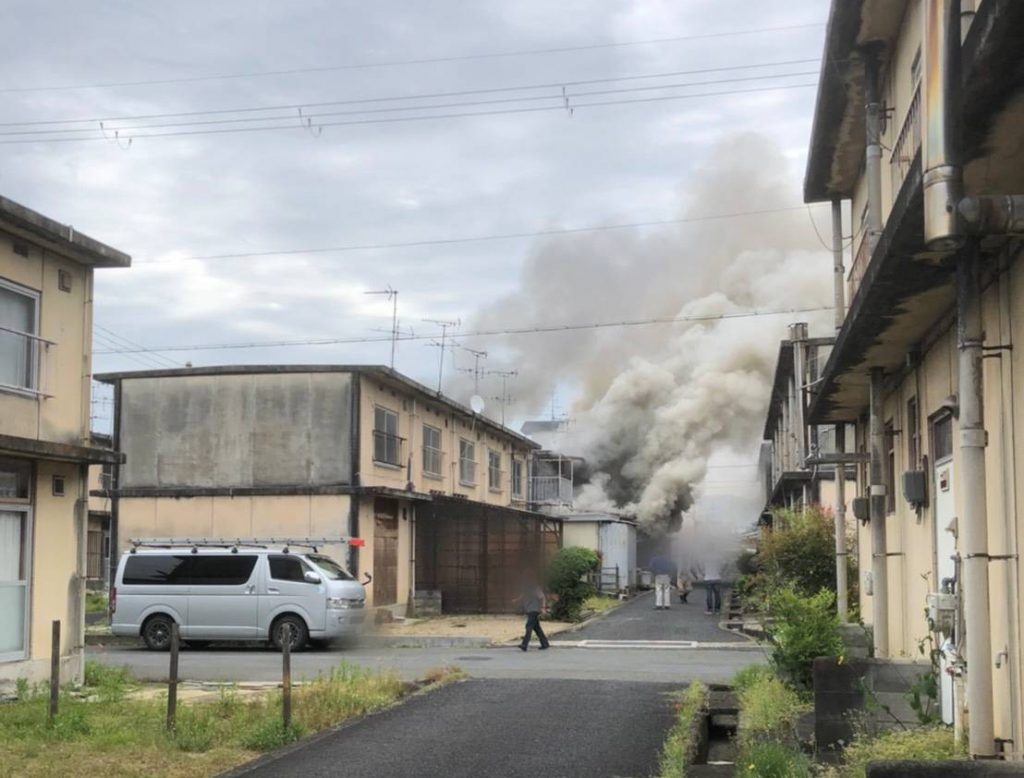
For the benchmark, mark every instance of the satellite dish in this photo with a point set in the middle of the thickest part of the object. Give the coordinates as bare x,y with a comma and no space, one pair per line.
476,402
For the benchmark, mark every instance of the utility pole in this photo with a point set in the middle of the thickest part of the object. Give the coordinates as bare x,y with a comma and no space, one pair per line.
392,295
445,326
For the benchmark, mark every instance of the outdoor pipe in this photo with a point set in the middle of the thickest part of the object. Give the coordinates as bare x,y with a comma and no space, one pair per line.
873,152
879,548
839,514
974,520
996,215
838,271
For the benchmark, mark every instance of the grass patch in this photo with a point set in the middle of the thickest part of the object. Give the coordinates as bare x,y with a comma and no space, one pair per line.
96,602
751,675
103,730
599,603
681,743
930,744
769,709
772,760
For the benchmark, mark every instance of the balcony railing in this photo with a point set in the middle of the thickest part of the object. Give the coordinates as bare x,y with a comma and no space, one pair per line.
24,359
551,489
387,448
858,268
908,142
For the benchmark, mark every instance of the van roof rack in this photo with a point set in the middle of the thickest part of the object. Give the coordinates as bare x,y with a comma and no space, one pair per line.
235,543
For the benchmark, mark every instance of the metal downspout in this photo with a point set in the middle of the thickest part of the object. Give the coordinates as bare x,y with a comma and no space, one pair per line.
974,524
879,549
873,152
838,271
839,473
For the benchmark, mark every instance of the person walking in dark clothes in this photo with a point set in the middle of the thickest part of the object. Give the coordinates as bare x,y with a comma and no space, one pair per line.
533,602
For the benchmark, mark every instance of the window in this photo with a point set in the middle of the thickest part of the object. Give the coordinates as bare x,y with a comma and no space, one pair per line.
913,435
467,462
107,476
915,68
14,581
14,480
185,569
387,446
153,570
284,567
18,345
494,470
330,568
220,570
517,477
431,450
942,438
58,486
889,476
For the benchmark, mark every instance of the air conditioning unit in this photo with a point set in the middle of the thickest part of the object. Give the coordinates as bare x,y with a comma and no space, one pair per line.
861,508
915,488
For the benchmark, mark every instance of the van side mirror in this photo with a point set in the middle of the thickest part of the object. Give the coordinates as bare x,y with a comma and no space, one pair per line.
312,577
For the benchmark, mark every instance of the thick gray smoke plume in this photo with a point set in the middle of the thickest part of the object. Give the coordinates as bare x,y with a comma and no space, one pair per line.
654,403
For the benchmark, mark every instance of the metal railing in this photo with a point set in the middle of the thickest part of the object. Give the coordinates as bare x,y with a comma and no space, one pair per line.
387,448
607,580
907,144
858,268
24,357
550,489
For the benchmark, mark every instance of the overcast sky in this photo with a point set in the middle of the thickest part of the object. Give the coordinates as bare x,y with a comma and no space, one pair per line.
165,199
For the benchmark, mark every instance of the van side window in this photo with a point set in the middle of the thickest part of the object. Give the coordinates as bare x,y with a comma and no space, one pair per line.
226,570
147,570
287,568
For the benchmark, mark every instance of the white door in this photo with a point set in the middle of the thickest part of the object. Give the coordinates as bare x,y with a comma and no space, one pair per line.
222,599
945,540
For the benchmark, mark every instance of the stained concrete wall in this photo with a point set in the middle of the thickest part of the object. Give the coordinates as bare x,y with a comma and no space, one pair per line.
260,429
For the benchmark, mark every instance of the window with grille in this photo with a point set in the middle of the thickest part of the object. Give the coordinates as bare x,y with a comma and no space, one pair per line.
387,446
431,450
18,341
494,470
517,477
467,462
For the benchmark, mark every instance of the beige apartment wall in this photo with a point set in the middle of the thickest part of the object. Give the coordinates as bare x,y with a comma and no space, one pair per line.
64,318
236,517
583,534
97,503
414,411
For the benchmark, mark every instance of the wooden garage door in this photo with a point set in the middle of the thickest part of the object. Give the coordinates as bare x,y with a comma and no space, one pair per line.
385,551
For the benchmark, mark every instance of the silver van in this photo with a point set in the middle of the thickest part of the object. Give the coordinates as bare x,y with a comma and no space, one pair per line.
234,593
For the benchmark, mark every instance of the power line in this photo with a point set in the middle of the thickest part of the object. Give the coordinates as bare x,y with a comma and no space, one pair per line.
421,96
138,356
292,125
406,62
119,340
479,333
467,239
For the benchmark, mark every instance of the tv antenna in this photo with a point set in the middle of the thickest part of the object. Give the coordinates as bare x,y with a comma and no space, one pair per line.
392,295
445,325
505,397
475,370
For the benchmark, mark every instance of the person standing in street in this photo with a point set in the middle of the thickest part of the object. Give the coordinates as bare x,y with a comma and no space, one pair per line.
533,602
684,584
664,571
712,577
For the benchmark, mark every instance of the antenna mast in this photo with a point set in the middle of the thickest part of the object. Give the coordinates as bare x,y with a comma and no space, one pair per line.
444,325
391,294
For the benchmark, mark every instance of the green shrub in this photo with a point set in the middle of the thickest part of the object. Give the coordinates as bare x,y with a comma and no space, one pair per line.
800,550
681,742
769,710
269,734
802,629
96,602
772,760
931,744
750,675
567,581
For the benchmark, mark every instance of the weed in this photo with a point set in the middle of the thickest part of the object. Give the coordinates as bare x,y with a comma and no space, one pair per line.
269,734
770,710
22,688
772,760
681,742
443,675
228,702
751,675
193,729
929,744
96,602
110,683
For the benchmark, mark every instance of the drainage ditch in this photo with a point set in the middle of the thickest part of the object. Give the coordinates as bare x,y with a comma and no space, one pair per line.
716,750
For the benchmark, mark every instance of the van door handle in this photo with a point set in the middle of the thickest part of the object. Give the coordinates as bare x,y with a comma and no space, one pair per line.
273,591
250,588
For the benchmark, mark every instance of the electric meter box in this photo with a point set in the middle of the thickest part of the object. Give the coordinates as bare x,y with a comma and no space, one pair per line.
942,611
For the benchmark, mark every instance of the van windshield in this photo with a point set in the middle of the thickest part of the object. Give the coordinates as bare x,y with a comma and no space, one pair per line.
331,569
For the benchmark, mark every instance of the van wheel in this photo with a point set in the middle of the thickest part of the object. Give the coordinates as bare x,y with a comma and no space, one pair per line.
156,633
299,633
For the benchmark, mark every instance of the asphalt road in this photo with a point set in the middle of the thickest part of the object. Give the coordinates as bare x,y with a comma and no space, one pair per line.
606,664
638,620
498,729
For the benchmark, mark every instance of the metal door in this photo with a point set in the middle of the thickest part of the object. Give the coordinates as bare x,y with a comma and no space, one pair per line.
945,539
385,551
288,590
222,599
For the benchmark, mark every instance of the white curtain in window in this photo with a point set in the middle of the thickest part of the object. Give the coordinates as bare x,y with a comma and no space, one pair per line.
11,545
17,312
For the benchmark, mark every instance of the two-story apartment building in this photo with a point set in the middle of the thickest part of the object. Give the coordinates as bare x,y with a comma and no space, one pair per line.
918,123
436,492
46,282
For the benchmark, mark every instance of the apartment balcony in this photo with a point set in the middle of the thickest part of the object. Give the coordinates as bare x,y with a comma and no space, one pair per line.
908,143
25,362
551,490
